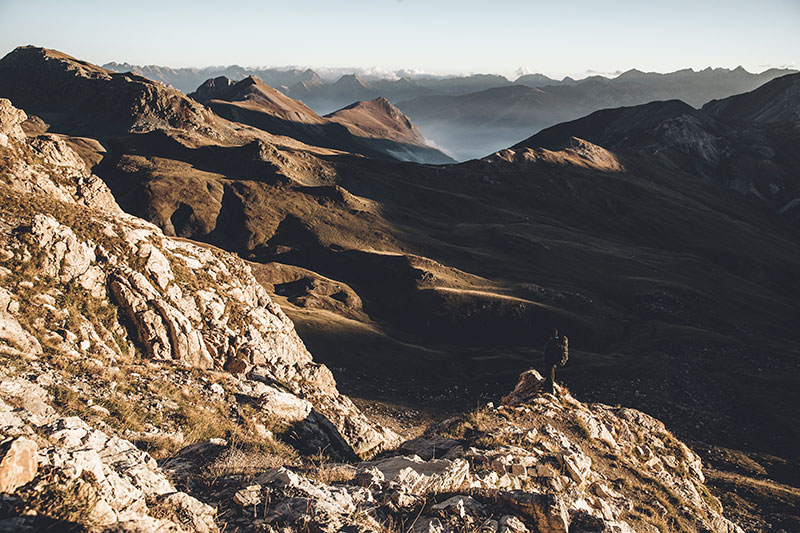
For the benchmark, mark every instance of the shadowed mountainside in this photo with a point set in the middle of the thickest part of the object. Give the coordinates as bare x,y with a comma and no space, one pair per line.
755,158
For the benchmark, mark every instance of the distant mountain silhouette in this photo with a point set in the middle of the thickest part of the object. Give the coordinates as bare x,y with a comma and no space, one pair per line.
188,79
508,114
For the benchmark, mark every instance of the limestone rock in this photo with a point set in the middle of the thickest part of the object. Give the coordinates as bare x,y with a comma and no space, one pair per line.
119,477
19,464
529,384
330,507
10,120
12,334
248,496
460,505
415,476
190,513
512,524
427,448
577,465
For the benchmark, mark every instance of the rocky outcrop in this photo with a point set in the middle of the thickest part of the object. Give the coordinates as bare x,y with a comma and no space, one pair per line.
539,462
107,480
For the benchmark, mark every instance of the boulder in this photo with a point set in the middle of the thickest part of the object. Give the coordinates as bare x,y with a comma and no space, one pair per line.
459,505
512,524
248,496
415,476
19,464
578,465
427,447
529,384
330,508
428,525
190,513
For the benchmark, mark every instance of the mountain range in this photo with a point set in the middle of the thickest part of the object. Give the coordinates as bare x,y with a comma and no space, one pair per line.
187,80
478,123
661,238
472,116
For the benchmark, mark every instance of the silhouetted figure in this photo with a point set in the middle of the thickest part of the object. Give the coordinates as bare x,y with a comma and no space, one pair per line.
556,353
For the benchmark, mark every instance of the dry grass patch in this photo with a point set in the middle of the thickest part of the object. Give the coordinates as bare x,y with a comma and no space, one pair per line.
248,461
332,473
69,503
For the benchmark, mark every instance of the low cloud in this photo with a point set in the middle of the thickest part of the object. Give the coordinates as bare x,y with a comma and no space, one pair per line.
606,73
793,64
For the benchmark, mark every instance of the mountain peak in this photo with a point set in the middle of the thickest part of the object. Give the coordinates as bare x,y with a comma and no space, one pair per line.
80,97
351,80
379,119
632,73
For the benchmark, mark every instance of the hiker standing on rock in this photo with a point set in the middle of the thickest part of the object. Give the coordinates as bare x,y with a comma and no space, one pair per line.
556,353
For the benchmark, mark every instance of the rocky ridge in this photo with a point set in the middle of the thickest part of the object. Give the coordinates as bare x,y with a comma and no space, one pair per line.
775,101
725,142
100,100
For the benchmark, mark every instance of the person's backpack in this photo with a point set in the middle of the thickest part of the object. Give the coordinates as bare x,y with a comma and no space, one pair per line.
560,350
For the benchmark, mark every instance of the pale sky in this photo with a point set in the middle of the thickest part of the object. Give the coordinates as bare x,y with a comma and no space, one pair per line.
574,37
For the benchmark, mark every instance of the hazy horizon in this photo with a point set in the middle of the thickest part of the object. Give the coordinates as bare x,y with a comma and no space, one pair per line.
508,38
331,73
